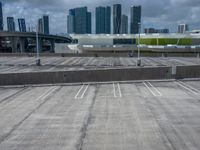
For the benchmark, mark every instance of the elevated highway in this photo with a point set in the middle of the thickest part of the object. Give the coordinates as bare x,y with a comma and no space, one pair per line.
18,40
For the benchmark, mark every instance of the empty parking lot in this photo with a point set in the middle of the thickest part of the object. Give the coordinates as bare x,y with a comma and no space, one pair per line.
27,64
150,115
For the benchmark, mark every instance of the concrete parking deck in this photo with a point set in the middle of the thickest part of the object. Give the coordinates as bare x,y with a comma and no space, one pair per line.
113,116
27,64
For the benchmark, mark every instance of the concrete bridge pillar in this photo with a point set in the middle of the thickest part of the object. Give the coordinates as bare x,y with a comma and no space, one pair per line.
14,44
17,44
22,45
52,47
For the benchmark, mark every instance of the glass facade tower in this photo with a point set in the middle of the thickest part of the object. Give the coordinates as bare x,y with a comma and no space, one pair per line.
117,13
135,19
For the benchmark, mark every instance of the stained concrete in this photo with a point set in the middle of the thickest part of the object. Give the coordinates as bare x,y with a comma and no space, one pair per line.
113,116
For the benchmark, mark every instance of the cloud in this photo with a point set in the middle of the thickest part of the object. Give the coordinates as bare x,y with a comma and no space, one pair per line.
155,13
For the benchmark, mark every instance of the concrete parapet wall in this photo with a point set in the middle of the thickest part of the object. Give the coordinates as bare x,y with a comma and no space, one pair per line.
86,76
93,54
187,72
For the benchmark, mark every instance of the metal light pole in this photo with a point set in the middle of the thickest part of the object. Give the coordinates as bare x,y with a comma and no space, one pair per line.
38,63
139,60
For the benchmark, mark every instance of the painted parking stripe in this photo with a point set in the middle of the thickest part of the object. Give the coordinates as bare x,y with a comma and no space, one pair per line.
47,93
159,93
117,90
153,90
81,92
187,87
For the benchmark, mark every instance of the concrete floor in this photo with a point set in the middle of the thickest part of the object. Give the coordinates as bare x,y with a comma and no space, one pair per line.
27,64
115,116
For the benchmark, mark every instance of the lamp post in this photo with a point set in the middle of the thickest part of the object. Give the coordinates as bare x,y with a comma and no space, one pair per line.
38,63
139,59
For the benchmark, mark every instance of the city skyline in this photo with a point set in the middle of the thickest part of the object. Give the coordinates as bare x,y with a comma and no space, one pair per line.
151,17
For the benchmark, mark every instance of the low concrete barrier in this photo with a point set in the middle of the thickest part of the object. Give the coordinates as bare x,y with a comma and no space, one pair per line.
187,72
104,54
86,76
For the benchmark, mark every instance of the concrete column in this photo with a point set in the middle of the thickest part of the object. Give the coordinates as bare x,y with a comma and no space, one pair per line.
52,48
14,44
22,45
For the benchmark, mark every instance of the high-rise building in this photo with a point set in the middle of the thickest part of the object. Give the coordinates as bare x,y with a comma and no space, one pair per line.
124,25
100,20
71,21
89,23
182,28
10,24
108,20
40,26
103,20
135,19
1,17
79,21
152,30
117,13
46,24
22,25
43,25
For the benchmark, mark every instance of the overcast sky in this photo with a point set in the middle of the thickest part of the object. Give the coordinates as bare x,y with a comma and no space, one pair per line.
155,13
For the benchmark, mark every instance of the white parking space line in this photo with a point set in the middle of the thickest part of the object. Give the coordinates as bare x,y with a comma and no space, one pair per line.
117,90
114,91
196,90
188,87
81,92
149,89
154,91
47,93
159,93
76,97
120,92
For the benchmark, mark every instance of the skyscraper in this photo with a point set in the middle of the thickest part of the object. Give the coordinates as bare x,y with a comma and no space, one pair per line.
10,24
135,19
117,12
22,25
108,20
71,21
124,25
1,17
79,21
100,20
89,23
46,24
40,26
182,28
103,16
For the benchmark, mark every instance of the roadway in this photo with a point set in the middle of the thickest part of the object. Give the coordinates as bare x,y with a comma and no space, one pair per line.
27,64
148,115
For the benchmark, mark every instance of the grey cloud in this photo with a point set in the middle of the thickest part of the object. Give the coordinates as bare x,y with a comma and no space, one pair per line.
156,13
